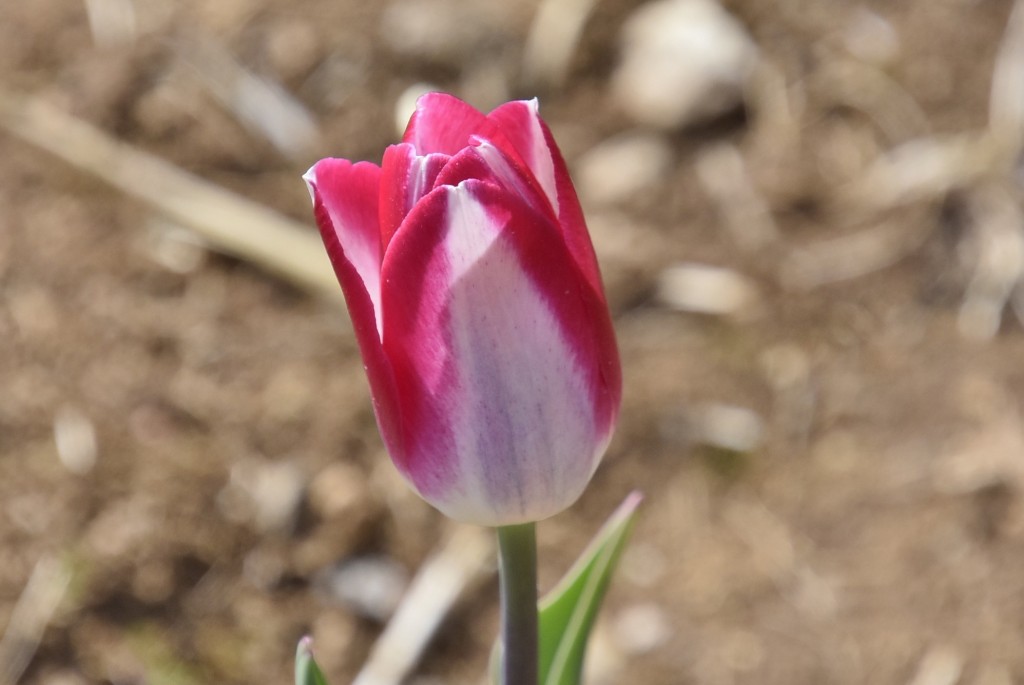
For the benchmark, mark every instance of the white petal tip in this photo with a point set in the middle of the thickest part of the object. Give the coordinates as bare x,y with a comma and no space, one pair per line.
310,178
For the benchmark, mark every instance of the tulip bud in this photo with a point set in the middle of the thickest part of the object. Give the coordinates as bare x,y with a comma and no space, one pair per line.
477,303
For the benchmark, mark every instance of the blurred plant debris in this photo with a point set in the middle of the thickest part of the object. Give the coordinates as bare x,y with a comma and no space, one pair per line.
809,221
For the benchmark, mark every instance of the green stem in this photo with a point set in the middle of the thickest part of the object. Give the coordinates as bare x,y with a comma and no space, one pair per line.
517,546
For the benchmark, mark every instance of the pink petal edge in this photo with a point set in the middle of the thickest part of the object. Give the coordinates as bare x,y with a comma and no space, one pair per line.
405,178
331,183
522,125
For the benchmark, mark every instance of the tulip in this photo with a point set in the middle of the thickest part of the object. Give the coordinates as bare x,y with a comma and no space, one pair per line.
477,304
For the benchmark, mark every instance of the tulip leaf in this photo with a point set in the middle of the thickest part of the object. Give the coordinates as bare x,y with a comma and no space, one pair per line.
306,670
568,611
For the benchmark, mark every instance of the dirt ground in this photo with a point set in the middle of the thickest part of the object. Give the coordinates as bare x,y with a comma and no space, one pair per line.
833,468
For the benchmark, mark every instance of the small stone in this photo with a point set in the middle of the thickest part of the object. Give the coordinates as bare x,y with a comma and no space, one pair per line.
642,628
277,493
618,168
76,440
371,586
264,494
683,62
728,427
705,289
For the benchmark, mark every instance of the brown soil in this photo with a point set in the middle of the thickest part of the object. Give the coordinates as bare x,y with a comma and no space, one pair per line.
875,534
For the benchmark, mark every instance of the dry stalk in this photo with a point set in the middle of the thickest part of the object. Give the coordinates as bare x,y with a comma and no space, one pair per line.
554,34
34,610
439,583
227,222
1006,101
870,90
857,254
261,104
997,239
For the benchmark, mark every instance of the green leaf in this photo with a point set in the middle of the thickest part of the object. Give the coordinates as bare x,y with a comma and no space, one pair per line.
306,670
568,611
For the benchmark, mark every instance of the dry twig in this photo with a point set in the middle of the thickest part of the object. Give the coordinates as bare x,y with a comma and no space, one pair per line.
438,584
32,613
1006,101
855,254
554,34
226,221
261,104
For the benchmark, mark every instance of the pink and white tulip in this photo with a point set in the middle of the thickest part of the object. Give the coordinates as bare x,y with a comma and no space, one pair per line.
477,303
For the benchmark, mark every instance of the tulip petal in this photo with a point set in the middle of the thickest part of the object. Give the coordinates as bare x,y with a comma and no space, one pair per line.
405,178
443,123
521,125
484,161
344,204
491,332
347,195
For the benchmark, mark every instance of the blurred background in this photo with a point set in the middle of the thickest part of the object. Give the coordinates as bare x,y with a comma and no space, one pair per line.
809,219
